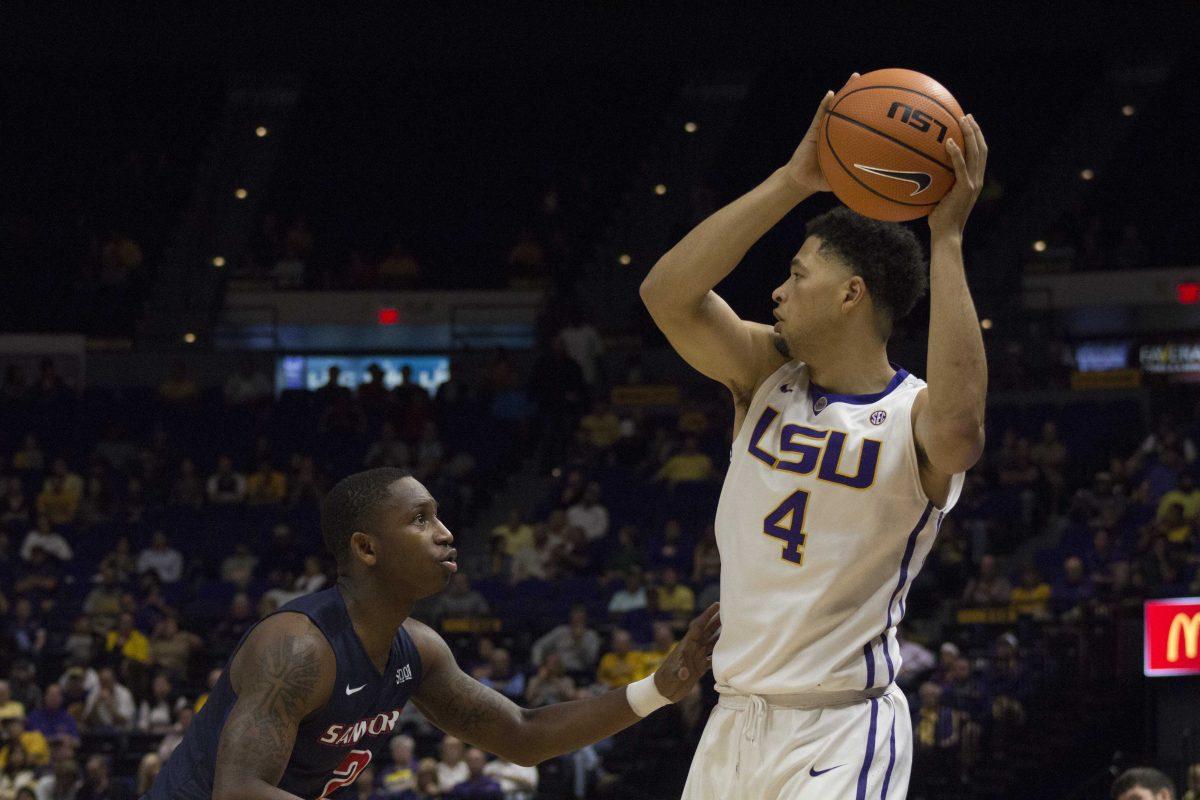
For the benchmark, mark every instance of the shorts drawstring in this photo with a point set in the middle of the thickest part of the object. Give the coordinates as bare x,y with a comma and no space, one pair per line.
755,725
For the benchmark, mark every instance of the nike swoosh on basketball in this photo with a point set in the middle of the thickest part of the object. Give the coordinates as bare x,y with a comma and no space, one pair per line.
921,179
816,773
352,691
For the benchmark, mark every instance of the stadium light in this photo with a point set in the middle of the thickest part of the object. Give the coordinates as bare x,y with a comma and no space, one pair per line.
218,261
624,260
985,323
1128,110
260,132
189,337
660,189
240,194
690,127
1039,246
1087,174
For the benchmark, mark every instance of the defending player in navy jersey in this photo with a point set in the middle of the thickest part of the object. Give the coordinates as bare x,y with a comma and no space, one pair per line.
842,467
314,691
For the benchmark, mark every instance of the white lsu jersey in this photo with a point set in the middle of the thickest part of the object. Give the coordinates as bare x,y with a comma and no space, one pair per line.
822,526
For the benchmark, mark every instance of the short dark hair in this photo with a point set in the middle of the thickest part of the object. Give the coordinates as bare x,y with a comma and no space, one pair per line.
351,506
1144,778
885,254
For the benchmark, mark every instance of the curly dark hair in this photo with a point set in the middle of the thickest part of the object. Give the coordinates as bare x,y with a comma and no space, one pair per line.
886,255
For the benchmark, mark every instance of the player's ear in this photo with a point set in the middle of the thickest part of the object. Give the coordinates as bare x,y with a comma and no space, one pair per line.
362,547
854,291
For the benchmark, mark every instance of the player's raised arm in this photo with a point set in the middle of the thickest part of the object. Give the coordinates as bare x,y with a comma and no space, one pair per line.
283,672
948,421
678,291
465,708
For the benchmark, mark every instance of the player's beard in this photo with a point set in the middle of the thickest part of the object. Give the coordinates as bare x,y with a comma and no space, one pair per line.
781,346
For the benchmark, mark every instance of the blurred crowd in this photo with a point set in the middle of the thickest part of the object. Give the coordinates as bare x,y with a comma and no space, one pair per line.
299,250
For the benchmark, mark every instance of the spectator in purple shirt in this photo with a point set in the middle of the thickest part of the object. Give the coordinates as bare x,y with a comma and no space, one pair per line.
478,786
52,720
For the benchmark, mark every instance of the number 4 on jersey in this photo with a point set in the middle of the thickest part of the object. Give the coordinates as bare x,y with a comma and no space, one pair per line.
787,522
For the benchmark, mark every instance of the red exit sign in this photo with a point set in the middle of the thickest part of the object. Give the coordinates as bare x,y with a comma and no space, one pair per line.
1172,645
1188,293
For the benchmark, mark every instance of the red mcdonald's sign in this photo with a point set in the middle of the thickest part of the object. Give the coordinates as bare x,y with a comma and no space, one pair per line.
1172,644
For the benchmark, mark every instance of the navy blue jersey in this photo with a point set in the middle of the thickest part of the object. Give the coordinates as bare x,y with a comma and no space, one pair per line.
334,743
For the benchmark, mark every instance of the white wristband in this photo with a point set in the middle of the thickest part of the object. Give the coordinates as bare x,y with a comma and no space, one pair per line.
644,697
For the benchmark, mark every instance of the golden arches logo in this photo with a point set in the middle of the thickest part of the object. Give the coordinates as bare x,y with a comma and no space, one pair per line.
1187,628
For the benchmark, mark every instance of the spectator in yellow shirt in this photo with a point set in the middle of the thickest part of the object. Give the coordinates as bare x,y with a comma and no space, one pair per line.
32,742
9,708
517,534
127,640
674,598
30,457
660,648
622,665
267,486
134,650
1031,596
601,427
1185,494
1174,525
59,499
686,466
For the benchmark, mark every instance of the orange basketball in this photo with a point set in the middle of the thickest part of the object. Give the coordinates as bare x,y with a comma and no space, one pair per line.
883,144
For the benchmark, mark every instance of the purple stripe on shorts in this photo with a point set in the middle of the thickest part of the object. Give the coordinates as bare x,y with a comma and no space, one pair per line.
887,656
887,776
870,665
866,767
904,563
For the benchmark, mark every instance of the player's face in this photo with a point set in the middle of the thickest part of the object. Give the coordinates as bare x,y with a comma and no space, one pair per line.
808,303
416,555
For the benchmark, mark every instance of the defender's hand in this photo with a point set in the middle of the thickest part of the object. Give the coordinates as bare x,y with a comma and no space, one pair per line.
803,169
690,657
950,215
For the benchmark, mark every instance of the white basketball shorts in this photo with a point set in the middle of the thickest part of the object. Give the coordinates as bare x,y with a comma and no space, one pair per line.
756,749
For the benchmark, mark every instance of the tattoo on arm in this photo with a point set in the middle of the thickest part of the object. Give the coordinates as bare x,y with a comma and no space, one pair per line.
277,691
467,708
291,668
461,705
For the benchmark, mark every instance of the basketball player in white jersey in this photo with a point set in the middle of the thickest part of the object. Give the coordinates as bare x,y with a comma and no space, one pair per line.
843,465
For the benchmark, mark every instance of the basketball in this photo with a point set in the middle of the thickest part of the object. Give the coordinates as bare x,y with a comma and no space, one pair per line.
883,144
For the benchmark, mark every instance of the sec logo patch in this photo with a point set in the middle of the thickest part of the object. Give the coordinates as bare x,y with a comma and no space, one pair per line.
878,417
